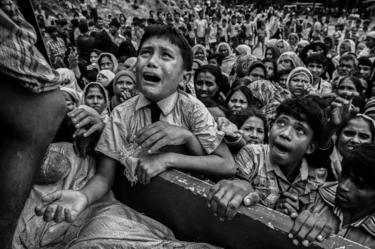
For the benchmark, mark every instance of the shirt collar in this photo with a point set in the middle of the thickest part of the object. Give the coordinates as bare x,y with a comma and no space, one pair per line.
166,105
304,171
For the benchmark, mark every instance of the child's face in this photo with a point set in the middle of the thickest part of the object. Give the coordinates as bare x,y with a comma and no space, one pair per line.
290,140
353,194
253,130
316,69
159,68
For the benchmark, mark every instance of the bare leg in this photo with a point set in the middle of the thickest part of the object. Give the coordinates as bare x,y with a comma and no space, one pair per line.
28,123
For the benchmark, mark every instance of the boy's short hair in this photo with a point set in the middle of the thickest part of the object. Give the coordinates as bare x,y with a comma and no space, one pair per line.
360,164
218,57
309,109
174,36
317,58
365,61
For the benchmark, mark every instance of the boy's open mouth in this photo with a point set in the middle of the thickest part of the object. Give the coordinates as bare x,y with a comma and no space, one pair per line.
282,148
151,77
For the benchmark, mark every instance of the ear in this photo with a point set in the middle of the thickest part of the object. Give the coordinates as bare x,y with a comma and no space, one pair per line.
311,148
186,76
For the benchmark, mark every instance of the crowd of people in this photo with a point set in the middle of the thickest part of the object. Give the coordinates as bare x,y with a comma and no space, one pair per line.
272,106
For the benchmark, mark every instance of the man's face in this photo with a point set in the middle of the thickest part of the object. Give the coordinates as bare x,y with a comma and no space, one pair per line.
352,193
159,68
290,140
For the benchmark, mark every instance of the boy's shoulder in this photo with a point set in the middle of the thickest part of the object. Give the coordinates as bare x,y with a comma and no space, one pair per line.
126,107
188,99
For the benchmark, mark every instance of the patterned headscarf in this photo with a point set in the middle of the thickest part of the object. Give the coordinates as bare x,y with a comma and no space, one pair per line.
270,96
243,50
293,57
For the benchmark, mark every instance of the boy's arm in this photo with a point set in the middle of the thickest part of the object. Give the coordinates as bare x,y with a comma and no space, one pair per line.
219,163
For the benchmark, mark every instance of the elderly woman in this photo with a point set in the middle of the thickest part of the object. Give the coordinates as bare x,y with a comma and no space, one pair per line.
225,51
299,82
199,52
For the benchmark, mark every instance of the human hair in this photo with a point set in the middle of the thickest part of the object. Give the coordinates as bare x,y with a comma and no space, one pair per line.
241,82
240,118
217,57
214,70
316,58
173,35
83,26
359,164
275,72
309,109
245,90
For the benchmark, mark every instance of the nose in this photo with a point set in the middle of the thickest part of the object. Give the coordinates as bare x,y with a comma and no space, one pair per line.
286,133
345,185
152,62
203,87
356,139
254,134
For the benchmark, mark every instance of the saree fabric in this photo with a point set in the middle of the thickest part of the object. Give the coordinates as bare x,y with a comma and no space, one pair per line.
103,225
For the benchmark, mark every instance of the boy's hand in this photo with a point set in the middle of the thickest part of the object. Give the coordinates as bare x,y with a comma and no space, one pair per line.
288,204
150,166
62,205
226,197
310,227
160,134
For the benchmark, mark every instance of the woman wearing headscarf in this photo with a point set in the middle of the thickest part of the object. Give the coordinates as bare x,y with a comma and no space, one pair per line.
108,61
229,57
345,46
242,50
96,96
293,40
123,87
288,61
200,53
283,46
69,79
299,82
105,77
257,71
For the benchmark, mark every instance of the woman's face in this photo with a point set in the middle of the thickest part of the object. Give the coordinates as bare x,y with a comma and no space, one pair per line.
199,54
94,57
270,69
102,79
253,130
95,99
346,87
123,83
237,102
106,63
206,86
70,105
282,80
345,47
297,85
269,54
223,50
257,74
356,132
284,64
